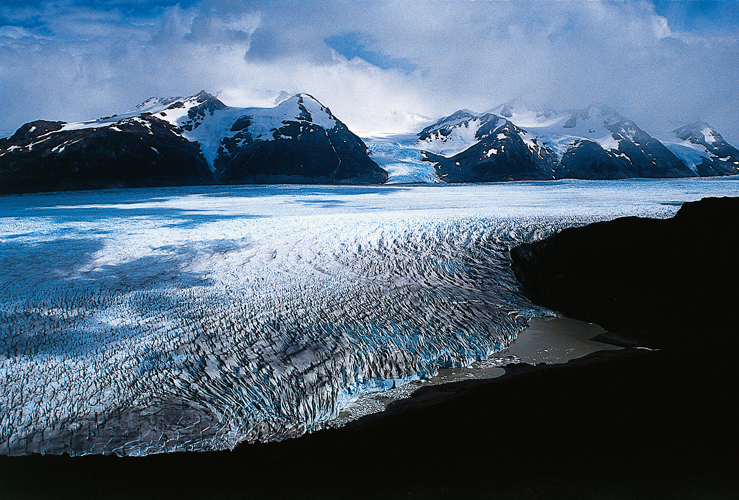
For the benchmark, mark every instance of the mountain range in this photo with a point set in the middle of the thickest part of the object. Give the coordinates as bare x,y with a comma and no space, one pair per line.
186,141
517,143
200,140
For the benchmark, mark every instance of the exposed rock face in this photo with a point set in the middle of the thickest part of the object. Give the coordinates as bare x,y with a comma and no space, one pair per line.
444,127
300,151
593,143
141,151
674,280
185,141
499,155
637,155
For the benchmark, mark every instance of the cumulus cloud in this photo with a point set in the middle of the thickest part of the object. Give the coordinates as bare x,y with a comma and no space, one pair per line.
380,66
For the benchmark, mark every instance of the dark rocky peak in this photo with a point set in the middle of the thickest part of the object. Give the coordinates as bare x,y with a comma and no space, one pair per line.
627,129
309,109
206,104
156,102
456,117
495,124
445,125
699,133
203,101
35,129
486,123
204,96
500,154
722,159
200,110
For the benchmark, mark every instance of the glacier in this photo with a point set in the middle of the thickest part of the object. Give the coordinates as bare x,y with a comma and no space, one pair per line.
402,159
139,321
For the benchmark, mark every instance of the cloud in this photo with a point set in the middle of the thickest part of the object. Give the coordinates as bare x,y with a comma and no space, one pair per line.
354,44
383,65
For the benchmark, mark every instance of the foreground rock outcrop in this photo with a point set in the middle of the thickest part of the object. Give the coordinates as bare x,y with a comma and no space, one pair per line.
674,281
187,141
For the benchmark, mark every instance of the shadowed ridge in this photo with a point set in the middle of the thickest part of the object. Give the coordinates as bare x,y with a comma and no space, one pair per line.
673,281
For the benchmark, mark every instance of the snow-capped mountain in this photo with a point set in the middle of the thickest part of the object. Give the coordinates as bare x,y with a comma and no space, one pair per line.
513,142
200,140
188,140
703,149
497,151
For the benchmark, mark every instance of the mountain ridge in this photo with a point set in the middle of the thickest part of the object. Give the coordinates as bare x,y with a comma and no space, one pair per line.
200,140
188,140
595,142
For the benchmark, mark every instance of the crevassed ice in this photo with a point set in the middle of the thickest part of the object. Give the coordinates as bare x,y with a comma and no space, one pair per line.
143,321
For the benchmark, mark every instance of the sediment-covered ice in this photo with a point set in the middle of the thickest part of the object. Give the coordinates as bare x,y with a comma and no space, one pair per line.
154,320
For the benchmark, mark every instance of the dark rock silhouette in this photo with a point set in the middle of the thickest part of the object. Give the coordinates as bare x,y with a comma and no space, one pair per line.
673,281
139,153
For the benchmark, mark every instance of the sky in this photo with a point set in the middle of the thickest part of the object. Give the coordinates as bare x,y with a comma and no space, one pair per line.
380,66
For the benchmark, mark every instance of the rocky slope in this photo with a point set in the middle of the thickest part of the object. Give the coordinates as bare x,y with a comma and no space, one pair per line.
183,141
499,153
517,143
671,280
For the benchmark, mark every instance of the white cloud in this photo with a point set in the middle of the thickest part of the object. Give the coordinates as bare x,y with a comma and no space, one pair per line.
15,33
78,62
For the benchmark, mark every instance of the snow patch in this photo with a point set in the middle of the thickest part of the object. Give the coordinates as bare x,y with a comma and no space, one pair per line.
85,125
525,117
608,142
461,138
690,153
320,115
709,136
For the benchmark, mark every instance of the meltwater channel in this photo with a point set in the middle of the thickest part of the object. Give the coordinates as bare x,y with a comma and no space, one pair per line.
155,320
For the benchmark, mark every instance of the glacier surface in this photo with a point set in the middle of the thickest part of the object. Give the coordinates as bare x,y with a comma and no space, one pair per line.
156,320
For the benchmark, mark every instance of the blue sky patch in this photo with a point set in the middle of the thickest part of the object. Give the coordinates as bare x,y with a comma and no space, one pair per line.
721,16
354,44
